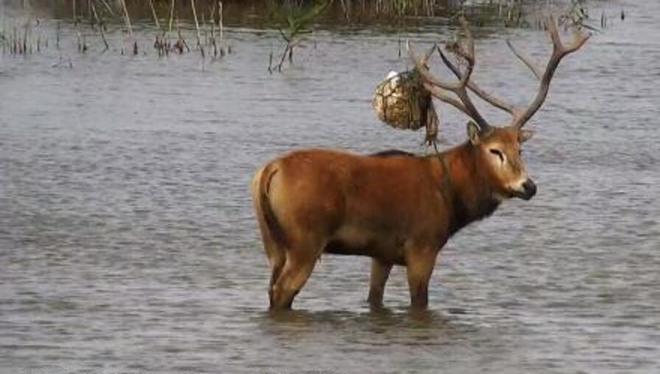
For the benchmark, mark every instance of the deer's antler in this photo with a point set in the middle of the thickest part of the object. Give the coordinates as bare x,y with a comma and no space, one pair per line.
442,89
559,51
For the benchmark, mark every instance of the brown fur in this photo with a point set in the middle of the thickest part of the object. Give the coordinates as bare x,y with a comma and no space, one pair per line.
394,207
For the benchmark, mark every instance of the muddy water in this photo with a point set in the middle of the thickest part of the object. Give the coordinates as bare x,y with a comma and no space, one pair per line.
128,245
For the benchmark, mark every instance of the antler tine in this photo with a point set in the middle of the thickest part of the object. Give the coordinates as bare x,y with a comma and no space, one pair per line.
433,84
472,85
428,54
525,60
558,52
469,55
424,70
438,93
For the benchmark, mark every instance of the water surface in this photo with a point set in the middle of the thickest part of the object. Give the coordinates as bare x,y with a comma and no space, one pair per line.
128,243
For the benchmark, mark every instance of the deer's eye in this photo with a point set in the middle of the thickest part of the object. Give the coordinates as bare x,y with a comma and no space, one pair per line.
497,153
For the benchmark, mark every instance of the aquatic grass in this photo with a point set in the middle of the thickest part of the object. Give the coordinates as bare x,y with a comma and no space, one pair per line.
295,19
294,23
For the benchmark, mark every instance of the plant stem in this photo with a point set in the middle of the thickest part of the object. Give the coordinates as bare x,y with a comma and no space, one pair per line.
98,20
199,37
153,12
127,18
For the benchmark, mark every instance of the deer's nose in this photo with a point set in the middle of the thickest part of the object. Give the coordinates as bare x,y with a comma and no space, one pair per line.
529,189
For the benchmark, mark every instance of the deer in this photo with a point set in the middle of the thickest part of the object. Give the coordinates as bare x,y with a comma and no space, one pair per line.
396,207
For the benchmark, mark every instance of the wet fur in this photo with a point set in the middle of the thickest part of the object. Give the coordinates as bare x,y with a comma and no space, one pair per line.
393,206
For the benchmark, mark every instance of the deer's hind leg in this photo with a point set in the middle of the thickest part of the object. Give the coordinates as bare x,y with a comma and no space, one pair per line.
299,264
380,272
275,253
277,259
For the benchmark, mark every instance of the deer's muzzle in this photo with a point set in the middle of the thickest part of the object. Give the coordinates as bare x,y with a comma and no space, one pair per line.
528,190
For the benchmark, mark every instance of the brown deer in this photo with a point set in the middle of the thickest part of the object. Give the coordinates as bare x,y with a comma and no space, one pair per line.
398,208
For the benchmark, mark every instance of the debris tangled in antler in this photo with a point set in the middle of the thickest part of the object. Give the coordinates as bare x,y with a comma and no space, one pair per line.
402,102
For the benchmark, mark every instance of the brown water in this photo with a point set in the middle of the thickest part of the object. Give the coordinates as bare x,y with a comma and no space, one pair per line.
128,243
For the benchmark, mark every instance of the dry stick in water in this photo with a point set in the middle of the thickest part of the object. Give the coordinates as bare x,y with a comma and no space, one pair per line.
79,37
25,38
169,29
221,23
57,35
130,28
90,15
17,42
217,15
288,49
108,7
153,12
127,18
213,41
18,46
158,44
100,23
181,42
199,38
164,44
270,62
75,23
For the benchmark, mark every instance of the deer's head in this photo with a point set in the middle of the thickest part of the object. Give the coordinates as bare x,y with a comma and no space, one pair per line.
498,154
498,148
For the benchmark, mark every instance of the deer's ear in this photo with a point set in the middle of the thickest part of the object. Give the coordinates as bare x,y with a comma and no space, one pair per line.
525,135
473,132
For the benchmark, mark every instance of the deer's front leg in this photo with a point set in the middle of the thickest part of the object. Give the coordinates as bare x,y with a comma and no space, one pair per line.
420,263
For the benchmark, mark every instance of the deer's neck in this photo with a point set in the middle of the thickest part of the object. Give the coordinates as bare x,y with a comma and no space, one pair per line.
465,189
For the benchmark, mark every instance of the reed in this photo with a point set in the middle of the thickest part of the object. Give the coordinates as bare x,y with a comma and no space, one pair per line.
169,28
99,21
181,42
153,13
217,24
127,19
19,41
199,38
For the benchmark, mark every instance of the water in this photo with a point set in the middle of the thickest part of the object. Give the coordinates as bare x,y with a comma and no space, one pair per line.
128,243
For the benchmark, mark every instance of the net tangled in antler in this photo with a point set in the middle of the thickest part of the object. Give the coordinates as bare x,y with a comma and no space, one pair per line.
402,102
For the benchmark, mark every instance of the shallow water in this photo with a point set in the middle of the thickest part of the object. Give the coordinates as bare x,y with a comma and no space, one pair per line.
128,243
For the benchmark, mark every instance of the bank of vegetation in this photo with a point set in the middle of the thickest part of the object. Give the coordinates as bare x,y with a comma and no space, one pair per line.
264,12
198,26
